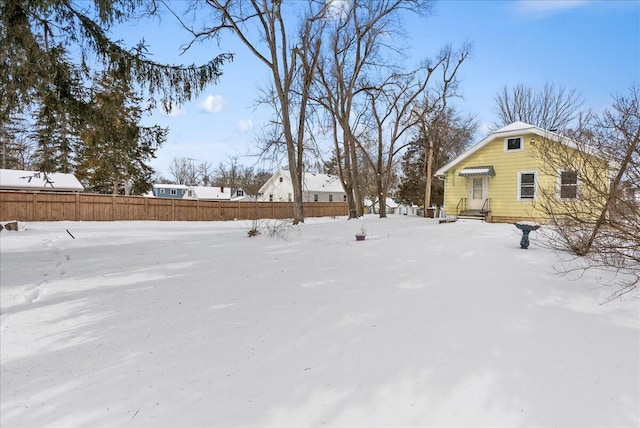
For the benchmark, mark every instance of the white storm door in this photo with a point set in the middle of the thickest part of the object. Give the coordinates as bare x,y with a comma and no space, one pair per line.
477,192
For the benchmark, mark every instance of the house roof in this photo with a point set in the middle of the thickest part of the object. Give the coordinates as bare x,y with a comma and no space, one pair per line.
390,203
321,182
14,179
313,182
170,186
511,130
204,192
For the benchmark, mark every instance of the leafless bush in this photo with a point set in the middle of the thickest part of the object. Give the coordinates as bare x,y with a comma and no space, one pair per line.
272,228
594,213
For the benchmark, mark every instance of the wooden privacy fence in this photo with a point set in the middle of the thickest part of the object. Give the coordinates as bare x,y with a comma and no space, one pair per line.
41,206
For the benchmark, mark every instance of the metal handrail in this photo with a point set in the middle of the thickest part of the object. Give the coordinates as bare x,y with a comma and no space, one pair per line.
485,206
463,202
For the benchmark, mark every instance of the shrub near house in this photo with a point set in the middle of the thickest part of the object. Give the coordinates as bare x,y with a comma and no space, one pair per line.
522,172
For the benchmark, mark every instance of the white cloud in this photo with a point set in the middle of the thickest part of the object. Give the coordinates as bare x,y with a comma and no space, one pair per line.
212,104
539,8
244,125
337,8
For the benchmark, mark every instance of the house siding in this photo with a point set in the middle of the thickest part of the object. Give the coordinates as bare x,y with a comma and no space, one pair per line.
282,191
503,187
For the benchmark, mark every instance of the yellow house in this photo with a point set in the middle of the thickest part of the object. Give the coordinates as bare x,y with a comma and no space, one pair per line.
522,172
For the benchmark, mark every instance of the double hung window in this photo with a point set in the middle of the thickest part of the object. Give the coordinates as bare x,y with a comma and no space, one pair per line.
568,184
527,181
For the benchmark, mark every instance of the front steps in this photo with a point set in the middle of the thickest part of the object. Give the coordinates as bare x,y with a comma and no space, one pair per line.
473,215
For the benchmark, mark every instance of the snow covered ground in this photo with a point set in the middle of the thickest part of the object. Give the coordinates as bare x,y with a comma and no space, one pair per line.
196,324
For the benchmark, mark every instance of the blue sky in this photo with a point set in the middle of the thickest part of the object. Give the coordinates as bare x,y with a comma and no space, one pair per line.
591,46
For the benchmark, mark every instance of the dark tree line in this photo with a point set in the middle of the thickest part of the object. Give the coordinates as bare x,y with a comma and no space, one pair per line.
55,115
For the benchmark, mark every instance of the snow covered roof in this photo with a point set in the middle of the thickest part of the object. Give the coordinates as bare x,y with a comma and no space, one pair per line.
315,182
169,186
390,203
14,179
213,193
321,183
511,130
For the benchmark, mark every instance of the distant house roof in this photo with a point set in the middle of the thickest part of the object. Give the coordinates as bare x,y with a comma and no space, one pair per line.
315,182
390,203
14,179
170,186
217,193
211,193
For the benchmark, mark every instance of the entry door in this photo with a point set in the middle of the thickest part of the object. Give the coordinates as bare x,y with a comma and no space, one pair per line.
477,192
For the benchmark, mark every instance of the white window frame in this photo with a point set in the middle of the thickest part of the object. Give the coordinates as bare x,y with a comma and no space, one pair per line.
174,192
240,193
316,198
577,185
535,186
506,144
162,191
330,198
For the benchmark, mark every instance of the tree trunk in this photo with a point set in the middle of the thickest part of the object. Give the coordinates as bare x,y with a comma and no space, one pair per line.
631,148
428,173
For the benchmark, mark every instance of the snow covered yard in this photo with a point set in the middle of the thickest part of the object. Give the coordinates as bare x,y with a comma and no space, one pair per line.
195,324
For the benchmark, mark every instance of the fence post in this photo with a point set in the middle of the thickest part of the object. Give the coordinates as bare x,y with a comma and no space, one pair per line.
77,216
35,206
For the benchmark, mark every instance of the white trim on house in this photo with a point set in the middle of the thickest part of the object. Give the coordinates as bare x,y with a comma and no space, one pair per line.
509,139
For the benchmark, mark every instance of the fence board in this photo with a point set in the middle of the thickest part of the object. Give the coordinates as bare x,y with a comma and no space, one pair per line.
43,206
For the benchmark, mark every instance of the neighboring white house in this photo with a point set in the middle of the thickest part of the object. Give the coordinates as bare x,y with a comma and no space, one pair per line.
392,207
218,193
315,188
15,179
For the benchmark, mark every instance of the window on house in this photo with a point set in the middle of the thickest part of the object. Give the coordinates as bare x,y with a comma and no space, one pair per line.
568,184
240,192
174,191
280,179
344,198
330,198
513,144
315,197
162,191
526,186
289,198
270,198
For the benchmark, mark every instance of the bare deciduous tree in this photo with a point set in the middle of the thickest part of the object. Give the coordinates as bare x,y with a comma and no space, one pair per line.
359,46
184,171
596,216
553,107
289,51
